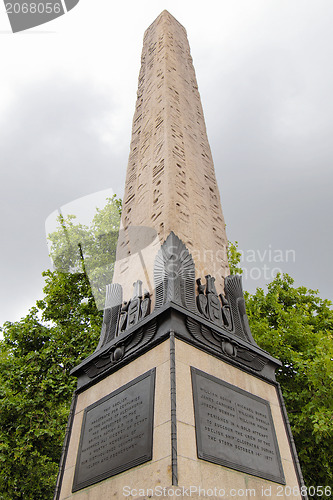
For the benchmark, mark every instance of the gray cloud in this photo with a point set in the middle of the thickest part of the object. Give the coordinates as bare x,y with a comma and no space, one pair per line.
273,155
51,154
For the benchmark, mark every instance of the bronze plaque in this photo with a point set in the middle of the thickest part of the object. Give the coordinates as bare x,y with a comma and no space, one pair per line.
117,432
235,428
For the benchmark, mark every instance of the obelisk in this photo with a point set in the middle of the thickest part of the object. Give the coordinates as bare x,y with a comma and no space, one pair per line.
170,183
177,400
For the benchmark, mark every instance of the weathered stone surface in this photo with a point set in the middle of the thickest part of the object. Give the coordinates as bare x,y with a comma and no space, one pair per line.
170,184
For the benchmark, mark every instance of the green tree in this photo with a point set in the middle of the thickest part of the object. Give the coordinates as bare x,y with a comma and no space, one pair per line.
234,257
38,352
76,247
36,387
296,326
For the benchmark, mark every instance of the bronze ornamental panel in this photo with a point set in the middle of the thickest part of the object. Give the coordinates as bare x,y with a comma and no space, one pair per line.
117,432
235,428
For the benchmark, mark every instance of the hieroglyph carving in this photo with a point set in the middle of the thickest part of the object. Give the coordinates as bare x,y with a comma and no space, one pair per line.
134,310
118,316
113,301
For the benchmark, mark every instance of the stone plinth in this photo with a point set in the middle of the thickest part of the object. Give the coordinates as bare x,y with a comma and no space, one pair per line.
190,471
173,352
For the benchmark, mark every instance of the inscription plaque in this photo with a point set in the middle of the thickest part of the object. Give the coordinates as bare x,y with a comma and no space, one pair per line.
117,432
235,428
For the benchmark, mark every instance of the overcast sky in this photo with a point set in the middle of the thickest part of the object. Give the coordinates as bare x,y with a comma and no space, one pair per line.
264,69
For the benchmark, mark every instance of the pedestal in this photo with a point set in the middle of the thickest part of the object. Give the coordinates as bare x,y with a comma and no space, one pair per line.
212,428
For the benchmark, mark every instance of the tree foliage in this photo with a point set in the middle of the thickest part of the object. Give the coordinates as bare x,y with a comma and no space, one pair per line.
296,326
38,352
234,257
77,247
36,387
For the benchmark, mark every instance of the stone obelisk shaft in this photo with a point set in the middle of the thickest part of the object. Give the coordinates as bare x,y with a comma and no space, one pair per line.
170,184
